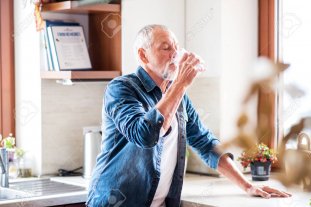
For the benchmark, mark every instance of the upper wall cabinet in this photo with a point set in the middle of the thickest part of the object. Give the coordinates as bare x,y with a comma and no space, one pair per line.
104,38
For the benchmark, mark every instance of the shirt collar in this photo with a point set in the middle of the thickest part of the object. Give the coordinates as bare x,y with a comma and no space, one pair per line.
145,79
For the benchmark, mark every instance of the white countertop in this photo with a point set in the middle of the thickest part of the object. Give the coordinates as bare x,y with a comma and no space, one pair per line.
213,191
198,191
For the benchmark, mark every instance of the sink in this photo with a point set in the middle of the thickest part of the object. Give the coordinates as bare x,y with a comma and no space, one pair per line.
36,188
43,187
8,194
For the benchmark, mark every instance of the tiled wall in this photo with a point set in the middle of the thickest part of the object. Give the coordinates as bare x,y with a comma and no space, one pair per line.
65,111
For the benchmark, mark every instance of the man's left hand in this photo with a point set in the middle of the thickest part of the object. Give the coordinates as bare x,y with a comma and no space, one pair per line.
266,192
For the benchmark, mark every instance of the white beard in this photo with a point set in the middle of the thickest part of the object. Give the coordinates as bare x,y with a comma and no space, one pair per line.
168,74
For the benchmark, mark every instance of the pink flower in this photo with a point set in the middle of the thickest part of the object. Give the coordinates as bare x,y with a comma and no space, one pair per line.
261,153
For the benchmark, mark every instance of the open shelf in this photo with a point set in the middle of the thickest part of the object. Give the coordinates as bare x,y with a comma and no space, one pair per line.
80,75
74,7
104,41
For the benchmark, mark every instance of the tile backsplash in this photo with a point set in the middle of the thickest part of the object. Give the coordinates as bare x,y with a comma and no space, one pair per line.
65,111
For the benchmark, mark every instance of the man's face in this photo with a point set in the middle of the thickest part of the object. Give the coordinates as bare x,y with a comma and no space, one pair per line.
162,50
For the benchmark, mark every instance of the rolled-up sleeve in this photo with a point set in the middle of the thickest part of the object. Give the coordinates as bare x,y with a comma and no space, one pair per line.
202,140
138,125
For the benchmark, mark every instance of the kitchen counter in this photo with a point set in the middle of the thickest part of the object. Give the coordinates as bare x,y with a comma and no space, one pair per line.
206,191
50,200
198,191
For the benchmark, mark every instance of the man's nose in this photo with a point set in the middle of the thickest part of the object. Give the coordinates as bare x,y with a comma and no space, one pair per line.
174,53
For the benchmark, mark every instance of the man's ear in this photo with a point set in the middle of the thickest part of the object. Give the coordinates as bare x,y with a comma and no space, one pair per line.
142,55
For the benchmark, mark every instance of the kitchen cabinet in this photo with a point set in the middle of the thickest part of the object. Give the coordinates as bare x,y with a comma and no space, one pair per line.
104,39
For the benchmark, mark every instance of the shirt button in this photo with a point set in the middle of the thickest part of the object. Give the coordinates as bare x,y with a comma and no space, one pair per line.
160,122
180,177
182,157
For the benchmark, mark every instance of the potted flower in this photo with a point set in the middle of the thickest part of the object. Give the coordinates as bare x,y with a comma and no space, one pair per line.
9,144
260,159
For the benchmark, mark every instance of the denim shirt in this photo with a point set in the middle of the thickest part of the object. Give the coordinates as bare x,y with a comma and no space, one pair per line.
127,170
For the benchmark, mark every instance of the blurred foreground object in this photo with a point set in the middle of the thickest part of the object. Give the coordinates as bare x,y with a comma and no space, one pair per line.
264,79
296,162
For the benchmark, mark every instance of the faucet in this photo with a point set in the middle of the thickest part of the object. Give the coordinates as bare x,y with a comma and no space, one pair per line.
4,165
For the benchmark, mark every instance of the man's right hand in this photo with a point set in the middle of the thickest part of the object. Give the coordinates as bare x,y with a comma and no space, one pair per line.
187,71
170,101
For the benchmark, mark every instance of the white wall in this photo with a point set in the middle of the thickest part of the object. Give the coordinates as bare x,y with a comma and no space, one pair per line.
27,84
226,37
203,33
138,13
239,51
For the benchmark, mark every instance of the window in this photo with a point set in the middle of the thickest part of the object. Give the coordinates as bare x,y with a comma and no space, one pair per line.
294,48
7,121
284,35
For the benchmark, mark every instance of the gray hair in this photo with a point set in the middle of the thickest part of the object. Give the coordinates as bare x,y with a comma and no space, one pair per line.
145,36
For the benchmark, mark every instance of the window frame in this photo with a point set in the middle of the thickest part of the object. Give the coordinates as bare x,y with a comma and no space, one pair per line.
266,47
7,80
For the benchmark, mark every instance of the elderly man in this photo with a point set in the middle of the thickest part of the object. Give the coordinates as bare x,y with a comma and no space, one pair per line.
147,120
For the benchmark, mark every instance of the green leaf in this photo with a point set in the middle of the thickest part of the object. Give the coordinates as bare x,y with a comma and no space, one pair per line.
9,142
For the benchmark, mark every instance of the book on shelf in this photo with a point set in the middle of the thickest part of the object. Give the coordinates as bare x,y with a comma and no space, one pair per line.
69,49
48,23
65,46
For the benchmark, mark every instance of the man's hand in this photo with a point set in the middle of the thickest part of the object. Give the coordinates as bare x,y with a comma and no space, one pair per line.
170,101
187,71
227,167
266,192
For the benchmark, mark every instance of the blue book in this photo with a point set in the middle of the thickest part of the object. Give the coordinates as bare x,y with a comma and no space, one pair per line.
52,63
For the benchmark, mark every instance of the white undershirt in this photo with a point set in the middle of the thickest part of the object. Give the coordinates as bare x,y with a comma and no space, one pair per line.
168,164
